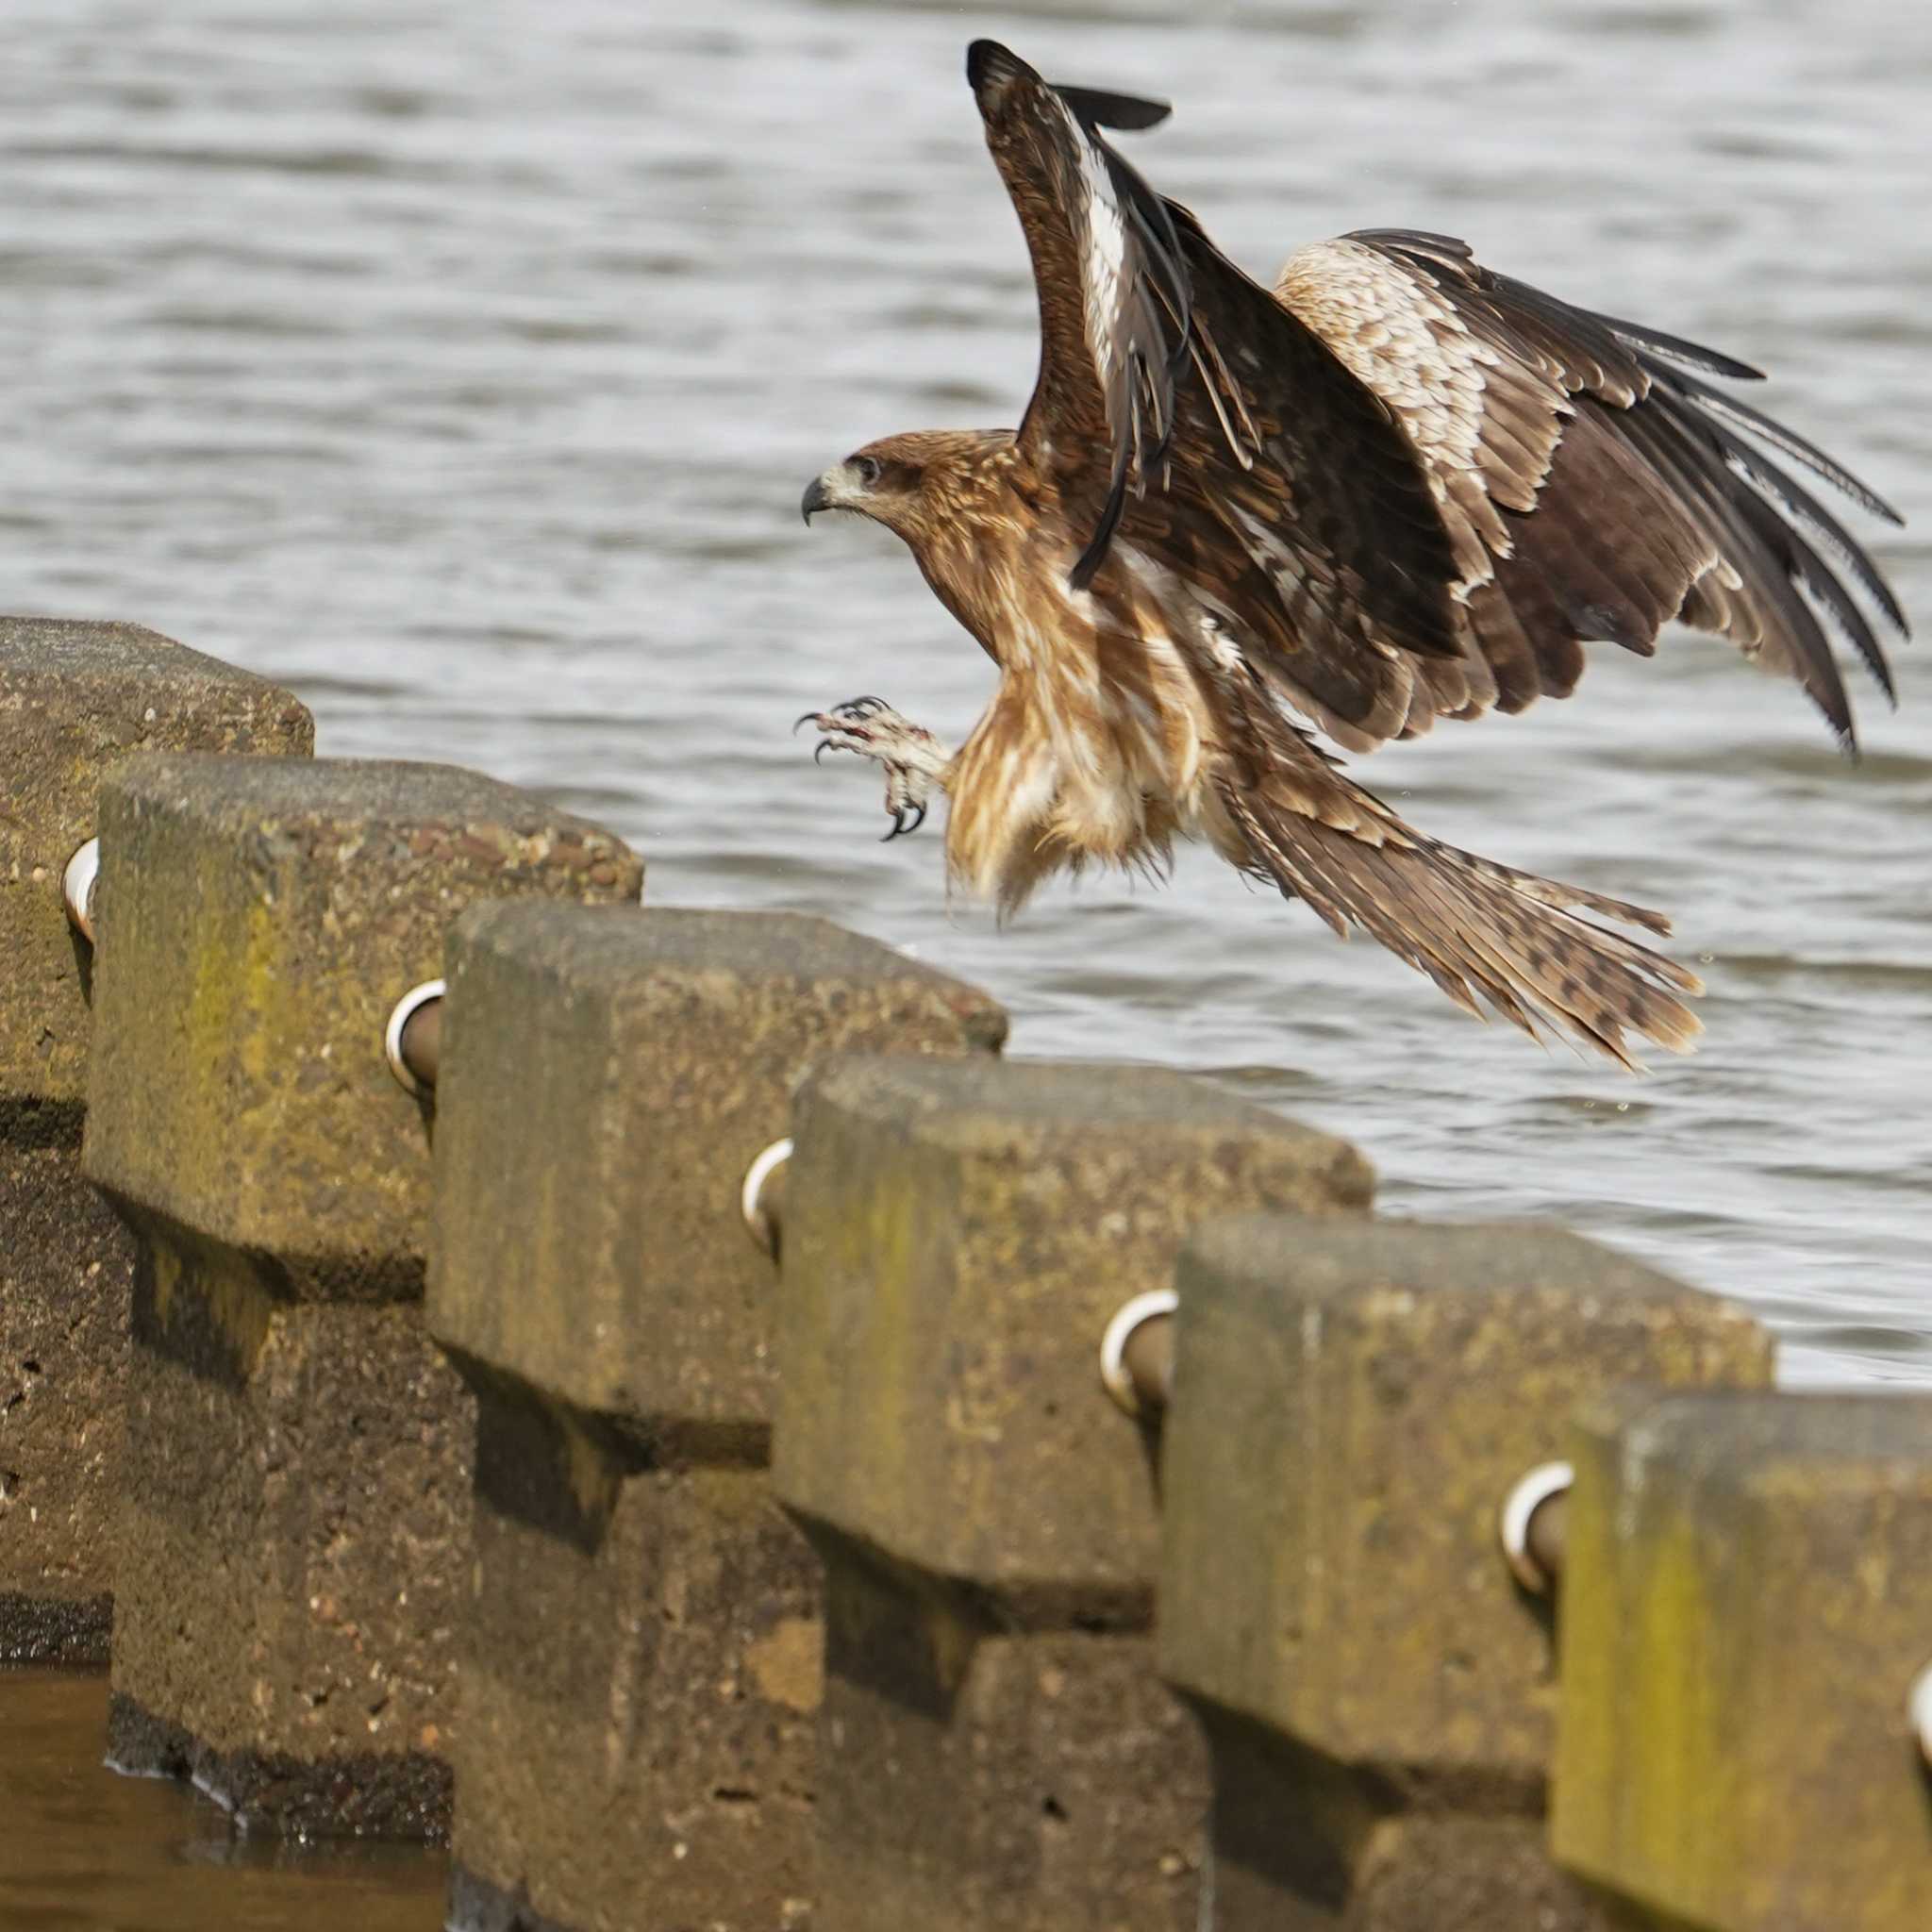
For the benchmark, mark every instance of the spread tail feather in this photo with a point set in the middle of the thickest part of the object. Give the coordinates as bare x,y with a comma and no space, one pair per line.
1481,931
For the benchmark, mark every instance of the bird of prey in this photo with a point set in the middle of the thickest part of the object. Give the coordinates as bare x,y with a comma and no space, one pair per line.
1396,485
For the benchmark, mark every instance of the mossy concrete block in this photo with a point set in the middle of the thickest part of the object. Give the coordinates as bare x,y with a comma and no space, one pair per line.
613,1077
996,1750
1352,1403
263,917
957,1237
75,701
1747,1603
294,1540
606,1078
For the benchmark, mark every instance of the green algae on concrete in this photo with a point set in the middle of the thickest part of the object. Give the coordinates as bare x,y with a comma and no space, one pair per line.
1352,1403
1748,1600
996,1749
607,1079
274,914
76,700
957,1238
294,1540
614,1077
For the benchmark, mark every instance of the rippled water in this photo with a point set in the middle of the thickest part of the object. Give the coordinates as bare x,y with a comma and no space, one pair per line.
84,1851
461,367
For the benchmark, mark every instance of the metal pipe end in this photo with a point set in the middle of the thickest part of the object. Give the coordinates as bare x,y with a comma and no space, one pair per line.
1142,1394
763,1219
78,887
415,1072
1534,1559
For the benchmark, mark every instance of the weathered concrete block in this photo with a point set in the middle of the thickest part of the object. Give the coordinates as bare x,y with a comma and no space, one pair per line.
277,910
75,700
1352,1403
995,1750
293,1539
607,1079
1748,1600
662,1054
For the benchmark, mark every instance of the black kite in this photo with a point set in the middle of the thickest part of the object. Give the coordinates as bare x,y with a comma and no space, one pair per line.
1396,485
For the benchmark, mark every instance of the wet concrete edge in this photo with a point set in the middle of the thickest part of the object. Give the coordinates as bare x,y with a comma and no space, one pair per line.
54,1630
402,1796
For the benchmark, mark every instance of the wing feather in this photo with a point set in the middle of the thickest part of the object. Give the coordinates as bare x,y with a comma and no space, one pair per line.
1487,935
1115,303
1403,485
1609,486
1178,402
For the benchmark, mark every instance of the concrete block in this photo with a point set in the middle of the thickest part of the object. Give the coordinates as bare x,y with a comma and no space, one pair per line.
294,1536
65,1267
606,1080
277,913
1352,1403
626,1074
1748,1601
75,701
995,1749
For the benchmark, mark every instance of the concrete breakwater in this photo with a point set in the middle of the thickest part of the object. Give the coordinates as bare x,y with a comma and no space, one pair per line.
651,1427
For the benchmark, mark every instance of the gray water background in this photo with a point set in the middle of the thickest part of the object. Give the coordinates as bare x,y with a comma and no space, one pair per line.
460,366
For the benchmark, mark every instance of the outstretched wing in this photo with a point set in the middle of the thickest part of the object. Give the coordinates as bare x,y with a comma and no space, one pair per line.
1400,486
1595,483
1182,408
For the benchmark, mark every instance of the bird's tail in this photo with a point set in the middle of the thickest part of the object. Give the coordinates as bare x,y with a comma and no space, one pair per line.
1481,931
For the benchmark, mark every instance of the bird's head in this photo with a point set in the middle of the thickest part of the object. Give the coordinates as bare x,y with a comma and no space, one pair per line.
911,484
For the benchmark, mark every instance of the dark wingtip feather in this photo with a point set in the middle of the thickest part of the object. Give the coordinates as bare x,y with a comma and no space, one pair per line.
1091,559
1097,107
988,63
1781,436
1806,508
1676,349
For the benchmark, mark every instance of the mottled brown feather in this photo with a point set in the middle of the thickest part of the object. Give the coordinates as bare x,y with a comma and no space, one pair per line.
1646,494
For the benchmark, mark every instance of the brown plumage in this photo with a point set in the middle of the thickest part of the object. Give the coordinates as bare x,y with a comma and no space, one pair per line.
1397,486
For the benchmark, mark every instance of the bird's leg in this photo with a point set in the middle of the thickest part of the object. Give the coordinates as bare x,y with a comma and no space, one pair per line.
914,760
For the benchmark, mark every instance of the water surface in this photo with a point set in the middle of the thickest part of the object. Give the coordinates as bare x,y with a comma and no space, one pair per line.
82,1850
461,367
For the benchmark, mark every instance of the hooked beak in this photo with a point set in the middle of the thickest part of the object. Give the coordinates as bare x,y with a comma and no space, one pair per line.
814,498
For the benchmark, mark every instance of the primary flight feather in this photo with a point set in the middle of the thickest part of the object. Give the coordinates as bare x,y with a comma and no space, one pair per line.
1395,486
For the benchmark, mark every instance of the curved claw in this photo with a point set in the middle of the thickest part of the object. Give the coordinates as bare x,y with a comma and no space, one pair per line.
908,818
847,709
820,749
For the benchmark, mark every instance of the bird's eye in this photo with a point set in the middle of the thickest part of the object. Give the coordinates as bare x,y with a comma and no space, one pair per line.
869,470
